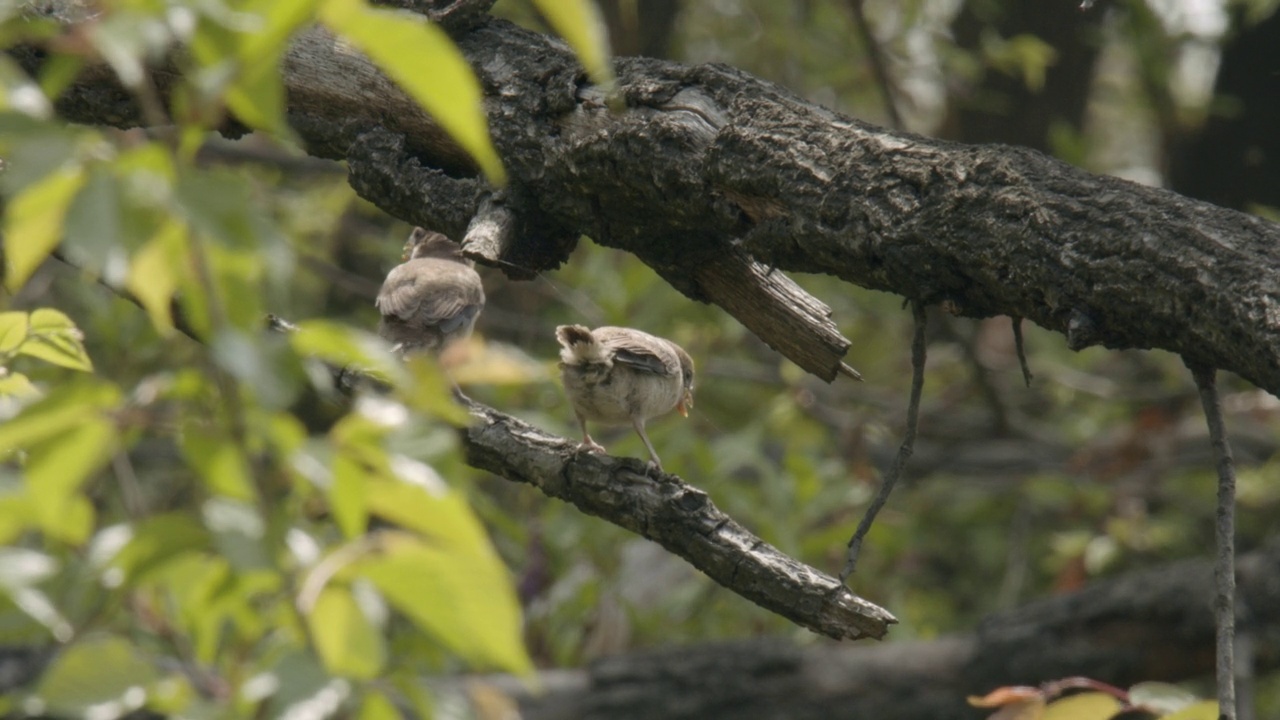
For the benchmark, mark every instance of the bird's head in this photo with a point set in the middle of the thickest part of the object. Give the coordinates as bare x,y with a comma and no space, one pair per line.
423,243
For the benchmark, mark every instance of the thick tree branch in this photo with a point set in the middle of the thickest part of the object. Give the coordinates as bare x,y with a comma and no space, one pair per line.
677,516
707,159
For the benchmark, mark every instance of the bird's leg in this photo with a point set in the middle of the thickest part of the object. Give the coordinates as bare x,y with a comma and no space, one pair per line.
638,424
587,443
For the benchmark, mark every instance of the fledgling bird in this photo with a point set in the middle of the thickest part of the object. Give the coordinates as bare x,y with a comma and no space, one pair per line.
432,298
616,376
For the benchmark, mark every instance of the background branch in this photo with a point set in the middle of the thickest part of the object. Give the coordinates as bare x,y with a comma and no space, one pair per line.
1152,624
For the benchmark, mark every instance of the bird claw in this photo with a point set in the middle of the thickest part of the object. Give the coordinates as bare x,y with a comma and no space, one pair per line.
591,446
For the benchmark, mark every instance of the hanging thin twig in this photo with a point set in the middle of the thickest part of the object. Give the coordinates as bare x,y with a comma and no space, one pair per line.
878,67
1224,571
176,315
908,442
1022,350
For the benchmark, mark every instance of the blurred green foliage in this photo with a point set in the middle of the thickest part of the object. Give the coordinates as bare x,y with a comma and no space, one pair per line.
202,524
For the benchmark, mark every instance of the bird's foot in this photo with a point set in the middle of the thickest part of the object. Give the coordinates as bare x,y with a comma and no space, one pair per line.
653,467
589,445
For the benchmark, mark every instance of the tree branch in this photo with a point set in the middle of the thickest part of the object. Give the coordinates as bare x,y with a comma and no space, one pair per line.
1224,568
677,516
918,349
707,159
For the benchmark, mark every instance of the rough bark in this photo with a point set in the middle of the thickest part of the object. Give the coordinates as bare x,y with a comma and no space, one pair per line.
708,165
680,517
1154,624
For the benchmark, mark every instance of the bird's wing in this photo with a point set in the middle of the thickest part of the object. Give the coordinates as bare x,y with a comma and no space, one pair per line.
430,292
639,350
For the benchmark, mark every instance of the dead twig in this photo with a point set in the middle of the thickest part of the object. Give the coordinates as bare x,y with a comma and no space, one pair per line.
908,442
1224,569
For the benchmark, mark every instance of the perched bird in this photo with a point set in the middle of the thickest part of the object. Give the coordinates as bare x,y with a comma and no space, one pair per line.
616,376
432,298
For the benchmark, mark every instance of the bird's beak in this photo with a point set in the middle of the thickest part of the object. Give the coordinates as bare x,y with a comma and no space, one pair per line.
686,403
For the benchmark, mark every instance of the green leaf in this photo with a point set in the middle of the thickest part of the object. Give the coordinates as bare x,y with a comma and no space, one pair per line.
154,273
52,337
149,173
441,515
218,461
65,408
95,671
219,205
257,97
281,19
156,541
1084,706
238,533
59,466
257,94
48,320
423,61
15,386
13,330
16,514
464,600
377,706
34,150
305,689
94,224
580,24
347,496
348,643
431,391
237,274
126,40
33,222
343,346
36,604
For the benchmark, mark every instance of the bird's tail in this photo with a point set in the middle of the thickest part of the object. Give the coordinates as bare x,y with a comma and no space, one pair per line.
579,346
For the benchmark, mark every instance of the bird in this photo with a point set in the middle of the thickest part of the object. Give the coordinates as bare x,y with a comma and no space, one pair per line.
431,299
618,375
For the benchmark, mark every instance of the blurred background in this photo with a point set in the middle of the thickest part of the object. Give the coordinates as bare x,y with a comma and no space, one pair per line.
1100,466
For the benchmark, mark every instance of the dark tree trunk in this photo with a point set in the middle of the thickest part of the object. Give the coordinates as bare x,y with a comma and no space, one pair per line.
1234,159
999,106
640,27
